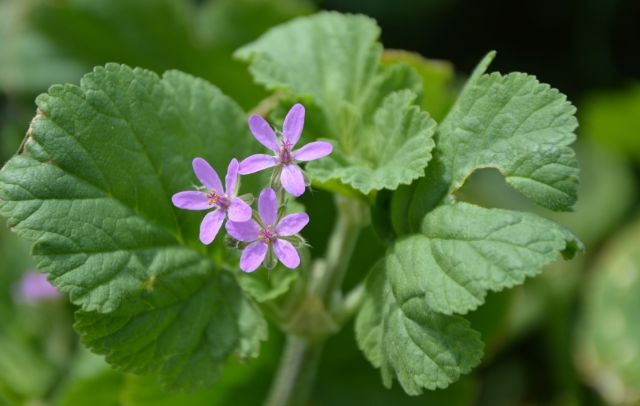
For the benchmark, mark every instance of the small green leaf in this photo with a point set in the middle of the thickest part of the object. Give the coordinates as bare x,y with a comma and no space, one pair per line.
463,251
422,349
517,125
397,150
381,140
183,334
268,285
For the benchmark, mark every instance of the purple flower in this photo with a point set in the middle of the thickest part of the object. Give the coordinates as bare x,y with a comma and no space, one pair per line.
268,235
34,287
291,176
214,197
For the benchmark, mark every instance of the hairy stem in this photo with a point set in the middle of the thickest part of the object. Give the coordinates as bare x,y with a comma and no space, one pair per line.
297,370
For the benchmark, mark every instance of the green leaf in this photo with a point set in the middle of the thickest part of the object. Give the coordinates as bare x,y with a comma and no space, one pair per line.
422,349
519,126
270,285
334,60
608,351
92,186
463,251
329,56
183,333
397,150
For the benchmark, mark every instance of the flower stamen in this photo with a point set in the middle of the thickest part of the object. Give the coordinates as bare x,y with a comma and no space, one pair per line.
214,198
267,235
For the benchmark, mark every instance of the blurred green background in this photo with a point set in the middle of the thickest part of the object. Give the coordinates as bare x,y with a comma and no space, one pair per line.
569,337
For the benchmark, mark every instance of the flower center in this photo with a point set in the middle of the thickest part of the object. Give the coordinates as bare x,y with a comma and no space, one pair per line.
219,200
285,154
267,234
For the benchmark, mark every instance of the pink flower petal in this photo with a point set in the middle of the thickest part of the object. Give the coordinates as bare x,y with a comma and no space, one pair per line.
253,255
207,175
263,132
190,200
292,179
211,225
292,224
246,231
286,253
313,150
239,210
256,163
268,206
293,124
231,180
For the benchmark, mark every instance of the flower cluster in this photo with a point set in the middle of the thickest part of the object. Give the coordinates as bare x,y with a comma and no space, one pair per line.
266,232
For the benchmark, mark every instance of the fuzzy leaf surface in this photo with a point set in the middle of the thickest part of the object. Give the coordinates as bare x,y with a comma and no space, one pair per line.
91,188
518,125
464,251
420,348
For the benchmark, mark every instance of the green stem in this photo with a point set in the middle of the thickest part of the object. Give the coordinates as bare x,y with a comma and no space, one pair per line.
350,304
329,274
297,370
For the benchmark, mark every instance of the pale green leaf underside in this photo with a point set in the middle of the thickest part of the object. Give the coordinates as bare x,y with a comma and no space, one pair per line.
519,126
464,251
420,348
184,339
398,149
329,56
334,60
92,186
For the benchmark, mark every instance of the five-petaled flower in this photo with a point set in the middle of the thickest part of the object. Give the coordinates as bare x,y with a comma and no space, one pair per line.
285,159
271,234
214,197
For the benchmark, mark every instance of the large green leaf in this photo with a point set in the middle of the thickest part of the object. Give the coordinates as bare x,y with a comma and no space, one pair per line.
92,184
464,251
517,125
421,348
511,123
334,60
91,187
